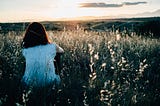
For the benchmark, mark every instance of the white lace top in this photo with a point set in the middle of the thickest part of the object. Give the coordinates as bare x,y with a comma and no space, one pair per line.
40,70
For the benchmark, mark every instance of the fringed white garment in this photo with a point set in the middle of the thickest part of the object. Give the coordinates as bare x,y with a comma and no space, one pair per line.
40,69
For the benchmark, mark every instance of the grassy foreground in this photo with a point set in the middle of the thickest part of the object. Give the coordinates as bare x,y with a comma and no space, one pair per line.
98,69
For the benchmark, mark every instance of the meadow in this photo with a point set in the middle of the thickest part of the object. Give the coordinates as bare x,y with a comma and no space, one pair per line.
105,68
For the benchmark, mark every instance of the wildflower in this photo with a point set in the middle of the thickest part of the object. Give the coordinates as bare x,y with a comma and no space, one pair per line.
118,37
103,64
96,56
123,60
112,67
91,49
134,99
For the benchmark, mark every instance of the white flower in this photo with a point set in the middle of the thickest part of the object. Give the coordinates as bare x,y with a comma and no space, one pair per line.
103,64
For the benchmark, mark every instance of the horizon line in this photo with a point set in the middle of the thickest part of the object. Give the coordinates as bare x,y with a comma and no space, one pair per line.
87,18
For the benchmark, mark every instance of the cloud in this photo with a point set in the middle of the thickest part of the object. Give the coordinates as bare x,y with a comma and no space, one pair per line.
133,3
105,5
99,5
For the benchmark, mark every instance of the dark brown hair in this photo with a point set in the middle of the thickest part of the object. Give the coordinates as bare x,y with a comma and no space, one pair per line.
35,35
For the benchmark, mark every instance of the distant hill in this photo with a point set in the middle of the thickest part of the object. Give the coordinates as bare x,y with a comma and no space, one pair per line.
149,14
142,26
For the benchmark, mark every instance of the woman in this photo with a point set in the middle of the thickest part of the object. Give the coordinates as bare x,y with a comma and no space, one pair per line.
39,54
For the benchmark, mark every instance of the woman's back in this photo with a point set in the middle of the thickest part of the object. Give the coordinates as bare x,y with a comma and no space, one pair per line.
40,70
39,74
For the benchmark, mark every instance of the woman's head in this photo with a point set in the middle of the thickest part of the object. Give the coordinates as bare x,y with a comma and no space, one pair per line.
35,35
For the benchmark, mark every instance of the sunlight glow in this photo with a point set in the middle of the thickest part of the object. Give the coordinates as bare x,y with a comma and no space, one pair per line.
38,10
66,9
70,9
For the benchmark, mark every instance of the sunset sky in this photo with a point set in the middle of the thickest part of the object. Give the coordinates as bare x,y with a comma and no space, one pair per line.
40,10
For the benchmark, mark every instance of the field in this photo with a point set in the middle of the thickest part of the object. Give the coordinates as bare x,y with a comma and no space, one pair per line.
99,68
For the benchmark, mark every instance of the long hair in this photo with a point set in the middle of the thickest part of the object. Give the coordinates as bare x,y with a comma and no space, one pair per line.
35,35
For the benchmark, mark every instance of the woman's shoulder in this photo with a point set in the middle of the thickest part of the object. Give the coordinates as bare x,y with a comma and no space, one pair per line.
40,47
47,49
51,45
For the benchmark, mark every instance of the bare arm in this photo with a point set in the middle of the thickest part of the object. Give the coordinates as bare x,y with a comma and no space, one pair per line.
57,61
59,49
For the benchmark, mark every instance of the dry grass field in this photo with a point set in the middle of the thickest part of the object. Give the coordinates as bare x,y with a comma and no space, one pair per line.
98,69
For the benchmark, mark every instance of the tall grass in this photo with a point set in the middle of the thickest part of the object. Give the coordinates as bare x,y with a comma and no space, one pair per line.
98,68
